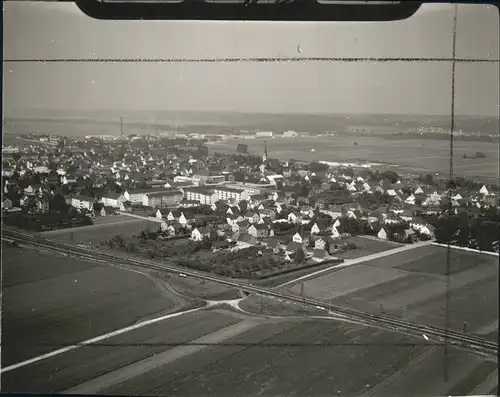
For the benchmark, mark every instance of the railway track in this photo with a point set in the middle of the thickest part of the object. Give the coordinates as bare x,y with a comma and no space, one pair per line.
445,336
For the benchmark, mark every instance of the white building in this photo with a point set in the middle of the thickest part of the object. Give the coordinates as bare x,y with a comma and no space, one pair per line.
264,134
382,234
290,134
82,202
315,229
229,193
202,195
196,235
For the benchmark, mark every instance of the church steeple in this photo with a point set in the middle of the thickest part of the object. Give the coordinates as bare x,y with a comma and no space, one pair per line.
264,160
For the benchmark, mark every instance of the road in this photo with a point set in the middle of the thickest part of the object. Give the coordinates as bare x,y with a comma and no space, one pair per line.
474,343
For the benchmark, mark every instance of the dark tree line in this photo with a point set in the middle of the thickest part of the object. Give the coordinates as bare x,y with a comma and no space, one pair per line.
468,229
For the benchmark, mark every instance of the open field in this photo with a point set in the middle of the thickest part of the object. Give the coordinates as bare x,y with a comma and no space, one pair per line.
50,300
103,229
314,358
72,368
417,155
195,288
274,307
411,285
208,352
365,246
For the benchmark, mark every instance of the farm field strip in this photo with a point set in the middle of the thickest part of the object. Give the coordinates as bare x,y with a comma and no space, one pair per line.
351,262
270,360
90,361
397,287
52,301
140,367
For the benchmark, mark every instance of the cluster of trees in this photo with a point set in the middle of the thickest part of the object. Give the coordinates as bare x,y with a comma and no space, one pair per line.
478,231
49,221
147,244
374,200
241,158
242,263
317,167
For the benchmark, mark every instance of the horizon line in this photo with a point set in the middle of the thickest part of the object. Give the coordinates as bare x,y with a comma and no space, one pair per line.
83,113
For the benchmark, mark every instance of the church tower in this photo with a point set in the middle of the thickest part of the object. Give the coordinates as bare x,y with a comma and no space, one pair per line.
264,160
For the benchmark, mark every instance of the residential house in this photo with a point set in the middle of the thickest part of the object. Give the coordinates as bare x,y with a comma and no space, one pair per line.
252,217
83,202
170,216
433,199
246,239
182,219
293,218
297,238
315,229
113,199
198,234
259,230
6,204
423,227
334,232
391,218
319,244
267,213
382,234
30,191
410,199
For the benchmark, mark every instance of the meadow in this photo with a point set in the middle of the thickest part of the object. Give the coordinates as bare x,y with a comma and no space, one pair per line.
412,285
311,358
418,156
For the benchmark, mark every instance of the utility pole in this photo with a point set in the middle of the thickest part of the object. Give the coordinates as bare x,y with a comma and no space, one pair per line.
121,127
156,128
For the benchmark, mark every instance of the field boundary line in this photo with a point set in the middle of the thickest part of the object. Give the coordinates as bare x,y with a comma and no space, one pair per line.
456,247
144,218
96,339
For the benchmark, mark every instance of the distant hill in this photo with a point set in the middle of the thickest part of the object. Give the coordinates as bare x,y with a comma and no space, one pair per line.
211,122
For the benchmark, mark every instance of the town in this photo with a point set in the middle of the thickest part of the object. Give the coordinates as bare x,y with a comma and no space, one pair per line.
225,208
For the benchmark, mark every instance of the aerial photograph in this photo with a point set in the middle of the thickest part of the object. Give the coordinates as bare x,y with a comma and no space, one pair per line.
226,208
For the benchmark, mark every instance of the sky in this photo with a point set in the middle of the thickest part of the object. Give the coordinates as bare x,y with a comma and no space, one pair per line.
37,30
